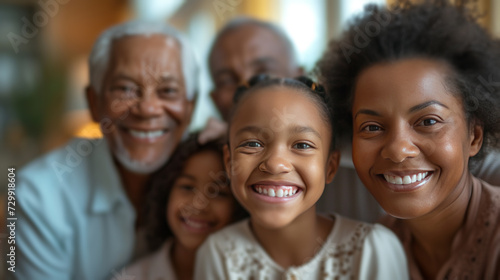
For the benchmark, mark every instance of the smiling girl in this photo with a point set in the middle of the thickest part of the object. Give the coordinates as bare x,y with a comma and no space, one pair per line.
189,200
421,101
279,156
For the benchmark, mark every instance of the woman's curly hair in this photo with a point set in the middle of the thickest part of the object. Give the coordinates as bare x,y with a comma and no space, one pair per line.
162,181
432,29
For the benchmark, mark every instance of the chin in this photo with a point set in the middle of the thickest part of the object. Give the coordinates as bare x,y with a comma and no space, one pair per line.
404,211
272,222
140,167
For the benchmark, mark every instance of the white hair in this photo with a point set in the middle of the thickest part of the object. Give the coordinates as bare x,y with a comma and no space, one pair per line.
99,57
277,30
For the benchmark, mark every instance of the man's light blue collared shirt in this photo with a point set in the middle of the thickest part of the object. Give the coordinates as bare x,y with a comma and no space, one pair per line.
74,220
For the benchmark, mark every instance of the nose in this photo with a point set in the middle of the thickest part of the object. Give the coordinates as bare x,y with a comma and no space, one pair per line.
399,146
276,163
244,75
149,105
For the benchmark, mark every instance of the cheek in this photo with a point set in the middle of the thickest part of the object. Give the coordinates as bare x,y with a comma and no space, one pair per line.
240,168
361,154
223,210
174,205
171,214
178,110
115,107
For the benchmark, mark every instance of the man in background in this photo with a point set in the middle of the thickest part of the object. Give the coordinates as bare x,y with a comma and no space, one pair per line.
78,206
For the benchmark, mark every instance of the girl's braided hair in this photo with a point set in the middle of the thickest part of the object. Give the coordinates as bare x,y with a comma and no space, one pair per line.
303,84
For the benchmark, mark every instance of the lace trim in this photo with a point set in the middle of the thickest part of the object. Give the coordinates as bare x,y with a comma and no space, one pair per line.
337,261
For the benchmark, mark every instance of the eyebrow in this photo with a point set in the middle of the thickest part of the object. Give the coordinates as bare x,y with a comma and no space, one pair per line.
427,104
250,128
123,77
263,60
258,61
306,129
367,112
187,176
295,130
412,109
223,71
168,78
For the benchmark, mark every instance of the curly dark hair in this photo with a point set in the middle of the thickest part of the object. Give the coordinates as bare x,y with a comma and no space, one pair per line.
162,181
432,29
303,84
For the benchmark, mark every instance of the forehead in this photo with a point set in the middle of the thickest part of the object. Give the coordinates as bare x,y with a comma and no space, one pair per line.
202,162
250,40
155,51
404,79
277,107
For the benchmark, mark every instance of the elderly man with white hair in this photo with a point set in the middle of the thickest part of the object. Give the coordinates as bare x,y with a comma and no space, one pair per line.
78,207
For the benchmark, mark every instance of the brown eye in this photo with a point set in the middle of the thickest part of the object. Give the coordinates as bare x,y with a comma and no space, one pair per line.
429,122
122,91
373,128
302,146
252,144
168,92
187,188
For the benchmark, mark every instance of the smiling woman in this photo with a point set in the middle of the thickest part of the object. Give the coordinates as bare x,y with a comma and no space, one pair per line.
419,112
412,129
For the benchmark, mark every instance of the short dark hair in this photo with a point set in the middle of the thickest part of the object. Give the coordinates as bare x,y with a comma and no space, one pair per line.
431,29
162,181
301,84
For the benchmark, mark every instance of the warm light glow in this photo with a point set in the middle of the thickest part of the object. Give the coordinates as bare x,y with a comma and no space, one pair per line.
156,9
89,130
351,8
303,21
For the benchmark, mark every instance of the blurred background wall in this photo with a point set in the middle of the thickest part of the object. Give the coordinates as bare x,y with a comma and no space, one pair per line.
44,45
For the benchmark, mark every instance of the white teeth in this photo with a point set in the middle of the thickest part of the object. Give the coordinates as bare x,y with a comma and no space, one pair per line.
408,179
271,193
279,193
194,224
146,134
276,192
398,180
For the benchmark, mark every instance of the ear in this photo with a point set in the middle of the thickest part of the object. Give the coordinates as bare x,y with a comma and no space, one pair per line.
332,165
227,160
92,100
476,138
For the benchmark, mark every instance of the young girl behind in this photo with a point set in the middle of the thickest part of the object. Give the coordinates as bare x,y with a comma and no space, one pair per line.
189,200
279,156
421,101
